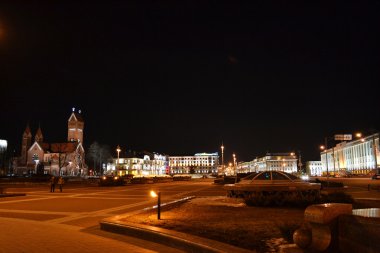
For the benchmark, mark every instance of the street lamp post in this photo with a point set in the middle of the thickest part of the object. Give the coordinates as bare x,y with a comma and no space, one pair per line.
327,164
222,147
118,152
332,156
235,167
158,195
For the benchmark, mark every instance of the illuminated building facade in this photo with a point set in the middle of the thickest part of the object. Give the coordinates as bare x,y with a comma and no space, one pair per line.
200,163
3,152
286,162
314,168
64,158
357,157
75,127
139,164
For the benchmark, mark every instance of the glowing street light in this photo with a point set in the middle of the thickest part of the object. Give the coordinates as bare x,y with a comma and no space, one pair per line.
118,152
324,147
234,156
222,147
235,167
153,194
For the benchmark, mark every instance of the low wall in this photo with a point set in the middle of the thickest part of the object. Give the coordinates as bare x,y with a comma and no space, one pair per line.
360,232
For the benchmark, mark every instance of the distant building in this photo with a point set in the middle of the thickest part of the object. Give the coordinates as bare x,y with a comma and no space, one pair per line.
356,157
200,163
286,162
314,168
3,154
65,158
139,164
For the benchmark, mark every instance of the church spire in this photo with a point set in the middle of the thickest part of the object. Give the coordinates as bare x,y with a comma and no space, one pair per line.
26,143
39,137
27,132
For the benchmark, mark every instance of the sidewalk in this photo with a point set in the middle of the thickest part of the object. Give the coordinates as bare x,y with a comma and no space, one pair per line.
18,235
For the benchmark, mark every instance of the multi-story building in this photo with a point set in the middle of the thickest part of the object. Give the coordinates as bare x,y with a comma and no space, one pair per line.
200,163
286,162
3,152
139,164
357,157
314,168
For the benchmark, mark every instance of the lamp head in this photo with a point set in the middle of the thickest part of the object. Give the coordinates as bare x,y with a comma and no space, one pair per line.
153,194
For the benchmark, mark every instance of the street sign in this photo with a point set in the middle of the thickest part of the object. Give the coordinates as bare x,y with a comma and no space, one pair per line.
343,137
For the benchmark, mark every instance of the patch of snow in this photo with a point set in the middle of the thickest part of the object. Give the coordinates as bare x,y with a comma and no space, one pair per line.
275,243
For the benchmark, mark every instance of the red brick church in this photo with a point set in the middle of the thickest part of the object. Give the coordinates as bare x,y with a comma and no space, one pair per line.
64,158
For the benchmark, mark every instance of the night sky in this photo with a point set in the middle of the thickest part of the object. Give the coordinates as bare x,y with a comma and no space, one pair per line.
181,77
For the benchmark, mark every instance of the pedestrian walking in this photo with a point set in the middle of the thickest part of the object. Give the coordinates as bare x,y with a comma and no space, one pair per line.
61,181
52,184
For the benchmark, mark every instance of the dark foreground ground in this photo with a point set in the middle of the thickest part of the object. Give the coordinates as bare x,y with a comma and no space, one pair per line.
230,221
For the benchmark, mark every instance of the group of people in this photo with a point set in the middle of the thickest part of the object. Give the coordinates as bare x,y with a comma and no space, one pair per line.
60,183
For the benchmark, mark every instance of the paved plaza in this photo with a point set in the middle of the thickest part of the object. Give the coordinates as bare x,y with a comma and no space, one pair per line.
42,221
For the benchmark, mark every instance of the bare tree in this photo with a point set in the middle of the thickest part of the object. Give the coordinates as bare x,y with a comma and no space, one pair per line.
97,154
105,154
61,150
93,153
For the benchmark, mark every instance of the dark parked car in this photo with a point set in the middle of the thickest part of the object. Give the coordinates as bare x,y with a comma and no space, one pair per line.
376,176
111,181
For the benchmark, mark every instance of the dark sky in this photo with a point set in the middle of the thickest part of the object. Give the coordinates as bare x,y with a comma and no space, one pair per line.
180,77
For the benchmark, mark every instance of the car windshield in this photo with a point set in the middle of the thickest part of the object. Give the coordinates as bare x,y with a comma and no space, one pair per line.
250,176
278,176
264,176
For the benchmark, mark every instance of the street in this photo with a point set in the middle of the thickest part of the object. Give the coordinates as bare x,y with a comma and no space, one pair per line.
358,188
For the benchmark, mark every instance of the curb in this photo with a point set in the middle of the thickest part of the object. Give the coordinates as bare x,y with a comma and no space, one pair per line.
179,240
4,195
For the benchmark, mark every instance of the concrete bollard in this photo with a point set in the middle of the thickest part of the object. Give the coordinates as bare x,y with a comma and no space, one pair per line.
322,232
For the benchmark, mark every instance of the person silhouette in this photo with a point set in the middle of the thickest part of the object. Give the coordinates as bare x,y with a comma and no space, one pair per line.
61,181
52,184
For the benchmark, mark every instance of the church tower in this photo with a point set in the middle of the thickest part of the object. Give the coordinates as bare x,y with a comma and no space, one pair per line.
25,144
75,127
39,138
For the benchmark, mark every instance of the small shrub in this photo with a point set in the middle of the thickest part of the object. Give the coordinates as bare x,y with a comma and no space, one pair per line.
337,197
325,184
